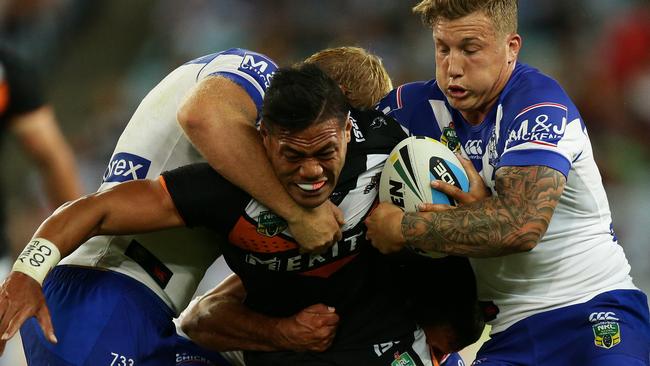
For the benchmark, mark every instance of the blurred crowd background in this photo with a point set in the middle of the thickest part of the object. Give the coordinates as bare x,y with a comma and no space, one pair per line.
99,58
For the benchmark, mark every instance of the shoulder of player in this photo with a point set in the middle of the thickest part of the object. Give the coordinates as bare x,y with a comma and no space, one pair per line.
528,88
372,128
237,52
236,61
409,95
199,179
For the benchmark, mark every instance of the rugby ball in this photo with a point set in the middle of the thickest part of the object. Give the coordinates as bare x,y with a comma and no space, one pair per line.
408,172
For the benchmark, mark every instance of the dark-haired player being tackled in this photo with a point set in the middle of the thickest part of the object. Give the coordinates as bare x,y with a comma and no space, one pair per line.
308,136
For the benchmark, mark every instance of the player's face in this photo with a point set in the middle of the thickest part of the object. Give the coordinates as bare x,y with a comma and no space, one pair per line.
473,63
308,163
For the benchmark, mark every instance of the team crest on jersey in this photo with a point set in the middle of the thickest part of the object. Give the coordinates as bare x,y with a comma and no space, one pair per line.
607,331
492,148
270,224
449,138
402,359
378,122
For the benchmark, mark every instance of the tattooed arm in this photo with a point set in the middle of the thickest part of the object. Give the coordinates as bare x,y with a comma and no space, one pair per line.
511,222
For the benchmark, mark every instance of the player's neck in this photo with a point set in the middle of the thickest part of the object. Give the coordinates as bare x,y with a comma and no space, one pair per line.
476,116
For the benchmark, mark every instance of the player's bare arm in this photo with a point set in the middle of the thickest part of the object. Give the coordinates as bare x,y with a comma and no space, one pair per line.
131,207
226,136
220,321
512,222
128,208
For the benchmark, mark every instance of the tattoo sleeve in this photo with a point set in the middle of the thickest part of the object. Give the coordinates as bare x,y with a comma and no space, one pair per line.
511,222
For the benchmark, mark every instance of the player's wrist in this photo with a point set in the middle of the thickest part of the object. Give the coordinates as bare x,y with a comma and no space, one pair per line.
278,336
294,213
37,259
402,229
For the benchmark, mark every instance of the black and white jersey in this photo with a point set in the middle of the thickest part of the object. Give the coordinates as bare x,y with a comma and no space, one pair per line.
280,280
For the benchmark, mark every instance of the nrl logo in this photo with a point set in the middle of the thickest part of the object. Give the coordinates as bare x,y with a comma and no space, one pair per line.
269,224
607,332
449,138
403,359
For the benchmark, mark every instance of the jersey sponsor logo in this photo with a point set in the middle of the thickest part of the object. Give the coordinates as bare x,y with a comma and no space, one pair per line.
124,167
374,182
259,65
349,245
356,132
402,359
474,147
607,331
543,129
269,224
184,357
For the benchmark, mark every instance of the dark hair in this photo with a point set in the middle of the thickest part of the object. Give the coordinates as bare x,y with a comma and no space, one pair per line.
300,96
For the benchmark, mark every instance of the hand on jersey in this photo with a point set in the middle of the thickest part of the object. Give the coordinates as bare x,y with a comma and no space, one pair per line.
319,228
477,190
21,297
385,228
312,329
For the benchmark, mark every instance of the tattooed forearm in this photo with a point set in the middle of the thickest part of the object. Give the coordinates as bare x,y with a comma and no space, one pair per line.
511,222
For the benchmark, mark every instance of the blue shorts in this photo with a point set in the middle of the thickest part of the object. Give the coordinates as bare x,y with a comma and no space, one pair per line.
101,318
613,328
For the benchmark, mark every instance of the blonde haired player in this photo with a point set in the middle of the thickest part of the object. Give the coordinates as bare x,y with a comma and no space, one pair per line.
553,279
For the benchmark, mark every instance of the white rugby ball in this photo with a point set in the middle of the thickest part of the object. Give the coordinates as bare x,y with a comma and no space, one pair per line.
409,170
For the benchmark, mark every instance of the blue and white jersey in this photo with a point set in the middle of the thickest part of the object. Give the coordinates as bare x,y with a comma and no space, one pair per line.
170,262
534,123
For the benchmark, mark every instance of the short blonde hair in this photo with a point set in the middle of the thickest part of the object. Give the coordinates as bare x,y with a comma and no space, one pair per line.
503,13
360,74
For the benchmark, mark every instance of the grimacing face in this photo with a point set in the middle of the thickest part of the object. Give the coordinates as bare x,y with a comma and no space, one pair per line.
473,63
308,163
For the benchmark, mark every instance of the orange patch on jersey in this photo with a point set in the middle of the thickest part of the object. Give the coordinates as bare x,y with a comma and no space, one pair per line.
244,235
327,270
4,96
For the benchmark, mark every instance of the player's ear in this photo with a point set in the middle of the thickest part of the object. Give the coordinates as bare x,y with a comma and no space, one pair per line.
348,129
264,131
514,45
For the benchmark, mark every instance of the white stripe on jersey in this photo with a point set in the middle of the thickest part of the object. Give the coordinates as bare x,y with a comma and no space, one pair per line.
357,202
440,111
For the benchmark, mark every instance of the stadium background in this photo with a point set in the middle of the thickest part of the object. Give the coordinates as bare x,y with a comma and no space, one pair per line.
99,58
